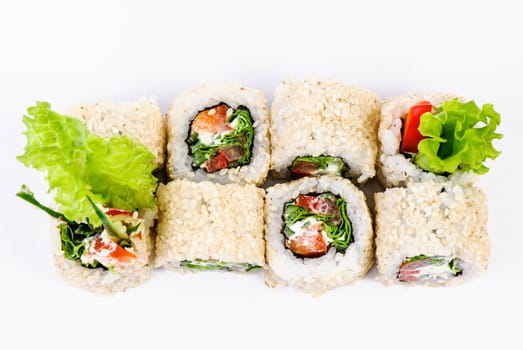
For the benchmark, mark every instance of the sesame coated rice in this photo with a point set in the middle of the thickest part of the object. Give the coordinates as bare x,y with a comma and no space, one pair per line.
433,219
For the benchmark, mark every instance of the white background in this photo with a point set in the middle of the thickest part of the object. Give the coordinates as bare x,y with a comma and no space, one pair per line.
68,53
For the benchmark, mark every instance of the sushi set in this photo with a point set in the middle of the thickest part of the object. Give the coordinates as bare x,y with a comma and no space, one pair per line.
225,181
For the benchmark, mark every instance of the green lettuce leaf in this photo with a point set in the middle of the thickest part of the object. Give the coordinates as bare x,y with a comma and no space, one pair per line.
459,138
116,172
342,237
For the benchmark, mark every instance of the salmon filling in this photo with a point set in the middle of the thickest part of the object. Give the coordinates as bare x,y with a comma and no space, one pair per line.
422,268
220,137
316,166
108,248
315,222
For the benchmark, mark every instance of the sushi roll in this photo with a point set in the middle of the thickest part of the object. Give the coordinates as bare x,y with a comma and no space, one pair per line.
104,191
431,233
210,226
323,128
319,234
219,133
434,136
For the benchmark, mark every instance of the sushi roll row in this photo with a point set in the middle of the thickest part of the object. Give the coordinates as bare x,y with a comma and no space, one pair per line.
115,221
431,220
319,230
211,212
220,133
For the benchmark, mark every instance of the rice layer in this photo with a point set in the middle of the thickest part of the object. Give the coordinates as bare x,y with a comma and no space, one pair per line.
184,109
140,120
211,222
431,219
316,275
324,118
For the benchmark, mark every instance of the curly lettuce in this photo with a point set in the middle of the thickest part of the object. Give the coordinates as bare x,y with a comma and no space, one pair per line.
116,172
459,138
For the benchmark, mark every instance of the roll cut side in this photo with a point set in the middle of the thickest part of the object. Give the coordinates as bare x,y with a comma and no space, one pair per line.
208,226
318,232
323,127
431,233
219,133
98,263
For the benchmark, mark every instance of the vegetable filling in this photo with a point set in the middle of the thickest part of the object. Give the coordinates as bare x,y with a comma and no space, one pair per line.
220,137
453,137
315,166
201,264
422,268
315,222
105,246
